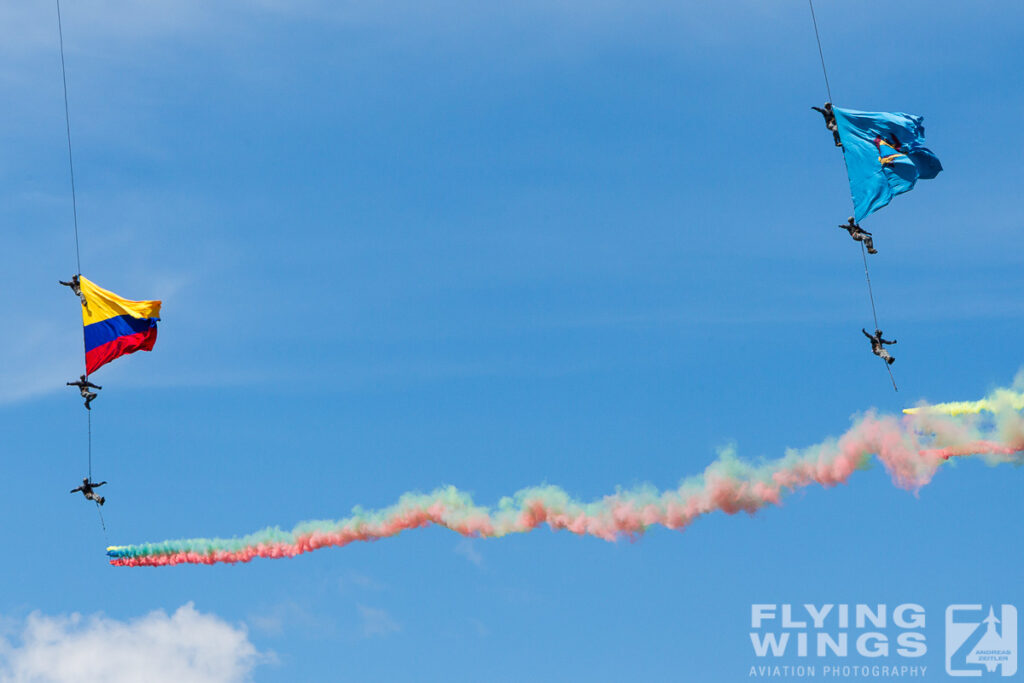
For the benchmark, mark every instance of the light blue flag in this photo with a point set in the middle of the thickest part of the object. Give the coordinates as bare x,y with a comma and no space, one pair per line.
885,156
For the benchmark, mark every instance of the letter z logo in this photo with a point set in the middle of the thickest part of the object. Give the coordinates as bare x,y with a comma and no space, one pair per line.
980,640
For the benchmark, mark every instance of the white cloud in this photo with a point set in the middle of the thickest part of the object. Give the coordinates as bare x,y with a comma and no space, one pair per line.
291,617
480,627
185,646
466,548
359,581
42,359
377,622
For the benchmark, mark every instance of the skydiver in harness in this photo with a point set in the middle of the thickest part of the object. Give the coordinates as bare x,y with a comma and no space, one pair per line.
830,121
877,345
84,385
76,287
859,234
87,490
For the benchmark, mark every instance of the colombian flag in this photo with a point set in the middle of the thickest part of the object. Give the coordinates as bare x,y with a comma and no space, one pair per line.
115,326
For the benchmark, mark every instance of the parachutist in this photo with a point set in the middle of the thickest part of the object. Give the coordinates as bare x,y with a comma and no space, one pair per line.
84,385
830,121
76,287
87,490
877,345
859,234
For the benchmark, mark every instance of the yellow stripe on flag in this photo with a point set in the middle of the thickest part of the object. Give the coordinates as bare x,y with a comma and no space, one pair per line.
101,304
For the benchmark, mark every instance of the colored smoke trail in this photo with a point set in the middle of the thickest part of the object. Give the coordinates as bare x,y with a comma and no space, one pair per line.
1012,400
998,400
911,448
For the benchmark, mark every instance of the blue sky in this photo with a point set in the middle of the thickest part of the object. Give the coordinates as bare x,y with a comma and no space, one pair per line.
413,244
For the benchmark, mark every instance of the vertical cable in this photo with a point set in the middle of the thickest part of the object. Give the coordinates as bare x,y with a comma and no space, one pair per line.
90,444
74,210
863,253
67,125
102,523
820,53
871,294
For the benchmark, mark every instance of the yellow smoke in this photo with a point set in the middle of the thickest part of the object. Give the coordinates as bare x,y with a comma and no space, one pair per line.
1000,400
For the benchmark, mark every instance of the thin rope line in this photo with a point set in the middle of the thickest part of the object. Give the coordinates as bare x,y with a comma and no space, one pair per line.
820,52
863,251
90,444
874,314
74,210
102,523
67,125
895,388
867,276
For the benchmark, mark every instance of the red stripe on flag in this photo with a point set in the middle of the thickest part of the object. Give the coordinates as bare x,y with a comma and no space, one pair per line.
130,343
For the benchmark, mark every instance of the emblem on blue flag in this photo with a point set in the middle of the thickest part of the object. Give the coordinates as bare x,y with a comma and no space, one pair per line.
885,156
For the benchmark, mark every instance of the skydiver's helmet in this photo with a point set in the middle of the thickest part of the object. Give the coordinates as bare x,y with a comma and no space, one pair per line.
878,332
828,106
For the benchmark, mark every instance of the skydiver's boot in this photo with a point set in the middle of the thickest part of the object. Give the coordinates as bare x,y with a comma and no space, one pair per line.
870,245
890,360
100,500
